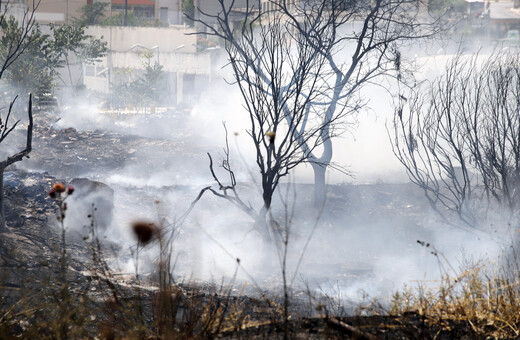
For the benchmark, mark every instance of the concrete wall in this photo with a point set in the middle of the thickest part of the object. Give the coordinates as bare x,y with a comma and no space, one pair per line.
57,11
96,77
132,48
191,63
167,39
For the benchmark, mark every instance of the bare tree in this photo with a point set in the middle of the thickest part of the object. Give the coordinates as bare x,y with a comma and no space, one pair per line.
460,141
5,130
300,67
14,50
17,46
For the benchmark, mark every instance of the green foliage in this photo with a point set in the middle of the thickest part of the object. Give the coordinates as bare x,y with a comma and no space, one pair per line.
71,39
247,23
34,70
147,90
204,43
439,6
92,14
188,8
117,20
153,82
133,20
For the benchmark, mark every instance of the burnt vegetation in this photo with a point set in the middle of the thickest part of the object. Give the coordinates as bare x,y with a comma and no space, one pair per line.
458,138
13,50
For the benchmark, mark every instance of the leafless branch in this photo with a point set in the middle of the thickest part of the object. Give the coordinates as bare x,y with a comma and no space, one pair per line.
25,152
460,142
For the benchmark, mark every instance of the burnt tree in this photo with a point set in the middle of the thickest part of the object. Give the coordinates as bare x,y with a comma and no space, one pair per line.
459,141
14,48
5,130
300,68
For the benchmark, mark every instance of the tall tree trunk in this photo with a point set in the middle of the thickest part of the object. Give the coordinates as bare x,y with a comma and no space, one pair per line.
3,227
267,248
262,225
320,188
319,165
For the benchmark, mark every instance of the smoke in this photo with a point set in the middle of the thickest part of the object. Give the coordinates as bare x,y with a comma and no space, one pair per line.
366,236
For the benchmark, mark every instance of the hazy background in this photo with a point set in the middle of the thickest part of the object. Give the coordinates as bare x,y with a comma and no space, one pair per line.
345,257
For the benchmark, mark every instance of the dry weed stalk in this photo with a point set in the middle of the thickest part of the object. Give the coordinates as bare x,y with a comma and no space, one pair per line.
487,300
165,310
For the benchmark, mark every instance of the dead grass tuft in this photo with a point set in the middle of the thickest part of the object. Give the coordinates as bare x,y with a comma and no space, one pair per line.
486,297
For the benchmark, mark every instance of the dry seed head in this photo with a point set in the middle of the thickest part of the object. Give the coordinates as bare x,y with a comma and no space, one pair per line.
145,231
58,187
270,136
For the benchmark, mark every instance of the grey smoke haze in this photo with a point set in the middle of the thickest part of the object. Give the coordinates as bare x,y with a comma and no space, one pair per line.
376,256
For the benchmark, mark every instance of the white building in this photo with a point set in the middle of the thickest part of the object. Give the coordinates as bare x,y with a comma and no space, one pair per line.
188,68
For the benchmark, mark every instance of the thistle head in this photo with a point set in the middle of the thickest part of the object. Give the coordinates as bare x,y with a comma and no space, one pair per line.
145,231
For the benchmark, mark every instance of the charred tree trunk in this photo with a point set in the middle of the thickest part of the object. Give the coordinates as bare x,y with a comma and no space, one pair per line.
3,228
13,159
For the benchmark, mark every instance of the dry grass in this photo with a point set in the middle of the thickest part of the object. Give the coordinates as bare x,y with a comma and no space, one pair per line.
102,306
60,304
485,296
56,302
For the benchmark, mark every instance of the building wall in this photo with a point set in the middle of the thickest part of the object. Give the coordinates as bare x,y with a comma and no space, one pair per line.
213,7
132,48
57,11
170,12
16,9
145,8
189,63
167,39
270,4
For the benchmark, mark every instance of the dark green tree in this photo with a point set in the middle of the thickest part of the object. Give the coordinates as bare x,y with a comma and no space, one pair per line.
71,42
34,69
188,8
92,14
437,6
145,90
133,20
153,83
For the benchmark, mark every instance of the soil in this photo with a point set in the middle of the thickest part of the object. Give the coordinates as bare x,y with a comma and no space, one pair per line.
31,250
